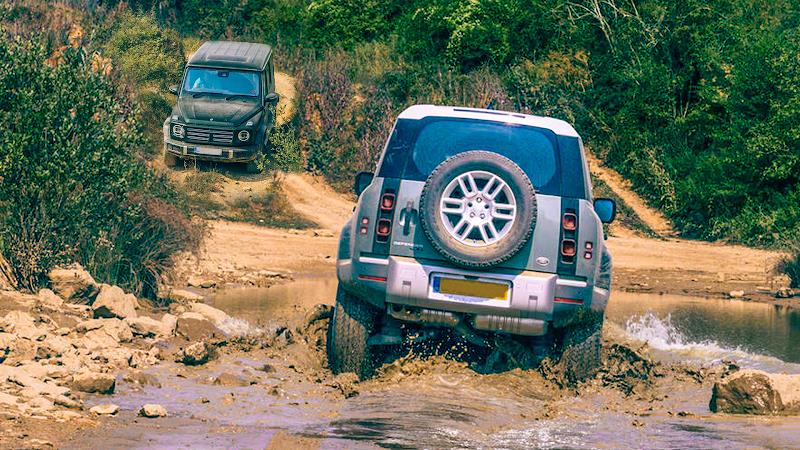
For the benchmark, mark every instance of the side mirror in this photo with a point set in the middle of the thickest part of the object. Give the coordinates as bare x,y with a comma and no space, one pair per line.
606,209
272,97
363,180
174,89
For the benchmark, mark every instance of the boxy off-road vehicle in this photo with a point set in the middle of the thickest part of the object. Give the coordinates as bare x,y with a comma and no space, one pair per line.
223,111
480,221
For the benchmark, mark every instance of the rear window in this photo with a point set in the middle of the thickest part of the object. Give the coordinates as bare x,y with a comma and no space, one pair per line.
418,146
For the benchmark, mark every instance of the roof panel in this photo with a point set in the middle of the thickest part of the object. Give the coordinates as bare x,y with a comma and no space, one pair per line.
232,55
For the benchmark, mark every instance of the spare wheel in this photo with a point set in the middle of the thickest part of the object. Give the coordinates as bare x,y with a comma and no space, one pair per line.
478,209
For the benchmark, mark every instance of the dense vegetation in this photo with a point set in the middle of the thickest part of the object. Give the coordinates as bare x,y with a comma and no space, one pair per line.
72,184
697,102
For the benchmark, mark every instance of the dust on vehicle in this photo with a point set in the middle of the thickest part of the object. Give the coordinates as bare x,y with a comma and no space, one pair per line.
482,223
225,106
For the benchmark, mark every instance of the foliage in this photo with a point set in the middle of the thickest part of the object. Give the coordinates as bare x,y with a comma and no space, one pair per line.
791,267
270,208
72,186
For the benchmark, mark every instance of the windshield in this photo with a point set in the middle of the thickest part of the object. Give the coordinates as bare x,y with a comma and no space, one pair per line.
416,148
244,83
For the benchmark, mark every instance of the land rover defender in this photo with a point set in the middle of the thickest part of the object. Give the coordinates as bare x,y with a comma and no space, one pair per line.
482,222
223,110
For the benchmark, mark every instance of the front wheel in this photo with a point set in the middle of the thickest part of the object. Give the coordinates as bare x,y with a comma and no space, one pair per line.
348,331
170,160
252,167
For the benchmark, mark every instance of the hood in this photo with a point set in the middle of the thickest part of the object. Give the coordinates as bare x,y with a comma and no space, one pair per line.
216,110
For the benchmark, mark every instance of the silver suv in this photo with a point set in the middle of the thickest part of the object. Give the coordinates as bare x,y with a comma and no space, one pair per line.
481,222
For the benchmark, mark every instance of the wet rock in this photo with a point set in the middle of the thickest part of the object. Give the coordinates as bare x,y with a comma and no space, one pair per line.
736,294
181,295
73,283
108,409
153,410
784,292
209,312
92,382
195,327
147,327
627,369
49,299
228,379
756,392
141,359
112,301
196,354
319,312
141,378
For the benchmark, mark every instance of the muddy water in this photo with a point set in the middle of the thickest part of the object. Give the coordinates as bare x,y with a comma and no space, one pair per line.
441,404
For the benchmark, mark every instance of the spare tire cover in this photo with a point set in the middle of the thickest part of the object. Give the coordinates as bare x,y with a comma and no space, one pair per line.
478,209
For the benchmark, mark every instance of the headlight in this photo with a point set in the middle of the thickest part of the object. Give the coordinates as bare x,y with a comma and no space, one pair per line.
178,131
243,135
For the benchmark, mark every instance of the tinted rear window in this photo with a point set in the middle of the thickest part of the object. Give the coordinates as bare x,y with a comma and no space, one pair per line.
418,146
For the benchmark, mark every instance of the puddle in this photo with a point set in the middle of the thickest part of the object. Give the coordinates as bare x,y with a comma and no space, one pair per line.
441,404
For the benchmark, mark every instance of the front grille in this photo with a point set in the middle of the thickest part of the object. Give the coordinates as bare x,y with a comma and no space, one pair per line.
209,136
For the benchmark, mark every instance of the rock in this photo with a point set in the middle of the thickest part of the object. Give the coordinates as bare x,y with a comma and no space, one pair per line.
147,327
152,410
756,392
182,295
53,346
736,294
141,378
319,312
22,325
196,354
34,386
17,350
49,299
117,329
169,322
228,379
73,283
784,292
108,409
67,402
119,357
209,312
323,233
141,359
112,301
92,382
195,327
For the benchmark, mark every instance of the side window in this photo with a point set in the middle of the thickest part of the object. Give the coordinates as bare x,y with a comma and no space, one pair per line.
270,77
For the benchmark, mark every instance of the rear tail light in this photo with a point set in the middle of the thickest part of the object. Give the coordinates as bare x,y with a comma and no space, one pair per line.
364,226
387,202
573,301
570,222
383,229
568,248
588,253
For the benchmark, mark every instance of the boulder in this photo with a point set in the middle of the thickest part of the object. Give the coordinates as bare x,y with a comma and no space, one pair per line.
108,409
147,327
169,322
93,382
141,378
141,359
196,354
195,327
152,410
182,295
115,356
112,301
757,392
73,283
22,325
110,333
49,299
209,312
736,294
228,379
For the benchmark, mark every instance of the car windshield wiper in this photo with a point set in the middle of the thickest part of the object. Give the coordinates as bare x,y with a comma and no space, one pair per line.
233,96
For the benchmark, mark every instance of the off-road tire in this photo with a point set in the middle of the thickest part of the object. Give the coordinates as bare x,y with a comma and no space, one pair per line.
500,251
579,346
348,331
604,276
170,160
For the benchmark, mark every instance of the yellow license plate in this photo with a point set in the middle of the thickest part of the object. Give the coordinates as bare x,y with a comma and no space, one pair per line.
472,288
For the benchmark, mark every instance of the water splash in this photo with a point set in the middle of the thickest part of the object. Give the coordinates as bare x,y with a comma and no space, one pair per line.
664,336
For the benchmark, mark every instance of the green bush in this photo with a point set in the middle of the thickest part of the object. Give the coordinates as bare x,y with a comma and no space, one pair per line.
72,186
791,267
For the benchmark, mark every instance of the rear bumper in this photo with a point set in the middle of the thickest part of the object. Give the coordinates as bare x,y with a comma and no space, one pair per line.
211,153
407,282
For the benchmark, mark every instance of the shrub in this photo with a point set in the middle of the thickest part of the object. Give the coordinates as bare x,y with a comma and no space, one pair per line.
270,208
791,267
72,186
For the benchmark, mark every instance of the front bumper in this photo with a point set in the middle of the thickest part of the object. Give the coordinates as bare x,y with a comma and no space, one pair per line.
211,153
535,296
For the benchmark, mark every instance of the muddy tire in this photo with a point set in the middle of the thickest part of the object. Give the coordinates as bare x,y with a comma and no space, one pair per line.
490,209
579,346
170,160
606,266
348,331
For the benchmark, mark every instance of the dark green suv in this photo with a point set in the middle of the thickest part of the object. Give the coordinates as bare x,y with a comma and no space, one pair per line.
224,105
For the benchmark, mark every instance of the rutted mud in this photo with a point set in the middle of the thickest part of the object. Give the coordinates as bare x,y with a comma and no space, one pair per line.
272,389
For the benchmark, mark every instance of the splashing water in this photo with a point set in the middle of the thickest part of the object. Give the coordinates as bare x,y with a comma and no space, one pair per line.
665,337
